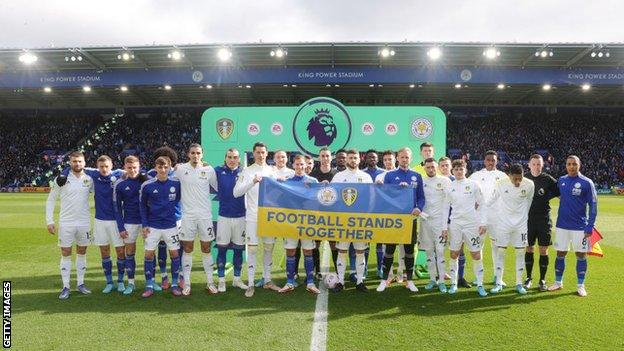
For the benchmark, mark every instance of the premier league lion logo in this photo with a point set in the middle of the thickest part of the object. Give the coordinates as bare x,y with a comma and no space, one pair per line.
321,128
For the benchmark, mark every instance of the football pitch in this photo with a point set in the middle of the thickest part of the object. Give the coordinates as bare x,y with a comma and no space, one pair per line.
395,319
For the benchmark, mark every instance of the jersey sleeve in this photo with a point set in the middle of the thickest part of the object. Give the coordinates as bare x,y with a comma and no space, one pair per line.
553,189
143,206
592,202
481,212
244,182
446,208
51,202
419,201
495,195
118,206
212,179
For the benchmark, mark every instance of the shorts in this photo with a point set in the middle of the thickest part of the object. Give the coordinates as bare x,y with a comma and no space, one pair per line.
106,233
291,243
191,227
540,229
468,234
169,236
430,237
251,234
514,236
577,237
70,234
133,231
230,230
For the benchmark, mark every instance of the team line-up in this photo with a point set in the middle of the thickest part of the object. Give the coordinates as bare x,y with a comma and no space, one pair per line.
170,206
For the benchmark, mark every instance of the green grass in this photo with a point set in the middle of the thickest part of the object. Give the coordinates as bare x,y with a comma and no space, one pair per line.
395,319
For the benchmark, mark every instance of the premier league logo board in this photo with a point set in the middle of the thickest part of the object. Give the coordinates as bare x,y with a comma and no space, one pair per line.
322,122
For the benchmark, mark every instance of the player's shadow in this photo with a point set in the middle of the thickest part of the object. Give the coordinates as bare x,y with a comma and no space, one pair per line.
400,301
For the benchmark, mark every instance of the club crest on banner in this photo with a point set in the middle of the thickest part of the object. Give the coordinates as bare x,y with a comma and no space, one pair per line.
327,196
349,195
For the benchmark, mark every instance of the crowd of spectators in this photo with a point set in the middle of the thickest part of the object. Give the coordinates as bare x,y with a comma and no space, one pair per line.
140,134
598,140
33,144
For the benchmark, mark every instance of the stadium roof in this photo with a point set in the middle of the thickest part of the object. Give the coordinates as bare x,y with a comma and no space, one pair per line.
565,56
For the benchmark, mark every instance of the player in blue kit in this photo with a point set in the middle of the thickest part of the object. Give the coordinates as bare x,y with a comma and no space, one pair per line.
409,179
105,230
162,246
158,200
578,209
231,220
291,244
127,213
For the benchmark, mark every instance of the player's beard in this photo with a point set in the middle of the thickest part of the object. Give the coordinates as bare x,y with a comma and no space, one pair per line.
77,169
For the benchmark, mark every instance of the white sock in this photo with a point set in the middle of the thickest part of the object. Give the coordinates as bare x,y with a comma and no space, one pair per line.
360,266
477,267
494,252
187,266
81,268
519,265
441,263
267,260
454,266
431,266
65,266
341,262
207,262
251,264
131,281
500,265
401,258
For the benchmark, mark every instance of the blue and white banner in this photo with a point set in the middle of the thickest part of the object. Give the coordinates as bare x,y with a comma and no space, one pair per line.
336,211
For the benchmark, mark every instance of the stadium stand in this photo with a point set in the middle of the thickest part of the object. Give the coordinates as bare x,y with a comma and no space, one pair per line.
33,145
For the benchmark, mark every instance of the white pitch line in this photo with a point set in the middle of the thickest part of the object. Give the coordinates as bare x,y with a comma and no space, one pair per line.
319,327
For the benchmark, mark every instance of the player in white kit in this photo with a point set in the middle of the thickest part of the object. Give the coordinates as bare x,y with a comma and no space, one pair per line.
74,221
516,195
195,182
351,175
487,178
431,239
468,223
247,185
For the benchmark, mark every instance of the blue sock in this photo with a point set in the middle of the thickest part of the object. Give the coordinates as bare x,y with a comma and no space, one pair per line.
175,270
290,269
461,266
107,264
162,257
351,258
559,268
221,257
149,273
308,263
237,260
130,266
380,255
581,270
121,268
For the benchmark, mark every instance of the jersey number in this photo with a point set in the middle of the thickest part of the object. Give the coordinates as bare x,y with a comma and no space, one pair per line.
175,239
475,241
